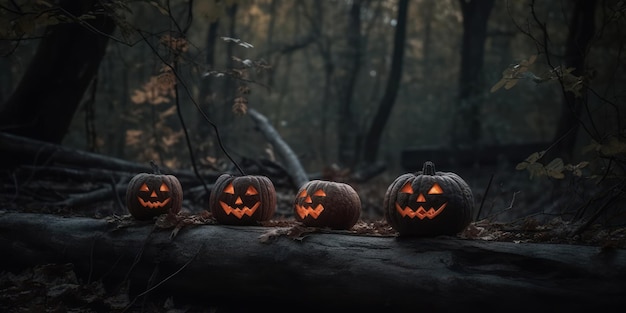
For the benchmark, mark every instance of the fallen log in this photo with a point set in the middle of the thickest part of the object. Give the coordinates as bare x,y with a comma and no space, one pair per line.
37,156
246,267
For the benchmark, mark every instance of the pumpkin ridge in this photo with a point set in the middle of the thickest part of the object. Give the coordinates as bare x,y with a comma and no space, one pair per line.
226,211
437,203
142,206
336,206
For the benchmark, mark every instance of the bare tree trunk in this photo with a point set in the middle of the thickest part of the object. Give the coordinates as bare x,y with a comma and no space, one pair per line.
207,95
467,123
582,29
227,87
64,65
324,49
372,139
345,80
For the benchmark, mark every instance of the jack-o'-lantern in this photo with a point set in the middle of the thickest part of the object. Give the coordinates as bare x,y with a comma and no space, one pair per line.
149,195
428,203
329,204
242,200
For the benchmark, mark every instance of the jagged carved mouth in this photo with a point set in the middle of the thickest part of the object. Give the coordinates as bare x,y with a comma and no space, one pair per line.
420,213
153,204
239,212
309,210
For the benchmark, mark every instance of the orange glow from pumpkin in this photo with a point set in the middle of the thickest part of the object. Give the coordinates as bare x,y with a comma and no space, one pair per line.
245,210
153,204
304,211
239,213
251,191
435,190
229,189
420,213
407,188
319,193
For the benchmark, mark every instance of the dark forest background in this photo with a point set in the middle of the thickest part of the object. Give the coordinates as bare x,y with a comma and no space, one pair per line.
527,92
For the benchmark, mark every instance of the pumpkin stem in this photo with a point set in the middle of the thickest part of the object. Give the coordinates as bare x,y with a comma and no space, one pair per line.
429,168
155,168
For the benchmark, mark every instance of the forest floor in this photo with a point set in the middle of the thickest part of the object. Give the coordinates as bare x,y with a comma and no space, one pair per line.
513,208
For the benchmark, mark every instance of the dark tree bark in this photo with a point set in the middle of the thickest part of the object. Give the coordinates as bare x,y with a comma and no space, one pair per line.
582,29
207,88
260,268
345,80
466,126
372,138
226,88
17,151
66,61
324,49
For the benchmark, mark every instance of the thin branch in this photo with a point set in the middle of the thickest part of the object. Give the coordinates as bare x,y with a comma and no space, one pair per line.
595,216
510,207
184,127
164,280
482,202
188,92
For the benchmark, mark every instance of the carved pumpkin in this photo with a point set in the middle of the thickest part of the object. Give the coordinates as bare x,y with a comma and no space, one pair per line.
242,200
149,195
428,203
329,204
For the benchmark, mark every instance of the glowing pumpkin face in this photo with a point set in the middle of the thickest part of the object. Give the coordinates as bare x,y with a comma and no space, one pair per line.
238,207
416,209
243,200
307,206
327,204
428,203
150,195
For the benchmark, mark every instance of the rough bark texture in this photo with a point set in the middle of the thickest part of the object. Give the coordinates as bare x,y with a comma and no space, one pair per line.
374,134
349,64
467,119
581,32
66,61
17,151
231,265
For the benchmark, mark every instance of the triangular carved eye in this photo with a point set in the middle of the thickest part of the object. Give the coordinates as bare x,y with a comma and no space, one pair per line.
144,187
319,193
229,189
407,188
302,194
435,190
251,191
164,187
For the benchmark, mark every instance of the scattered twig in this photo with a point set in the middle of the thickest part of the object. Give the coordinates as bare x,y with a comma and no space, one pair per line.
510,207
482,202
164,280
